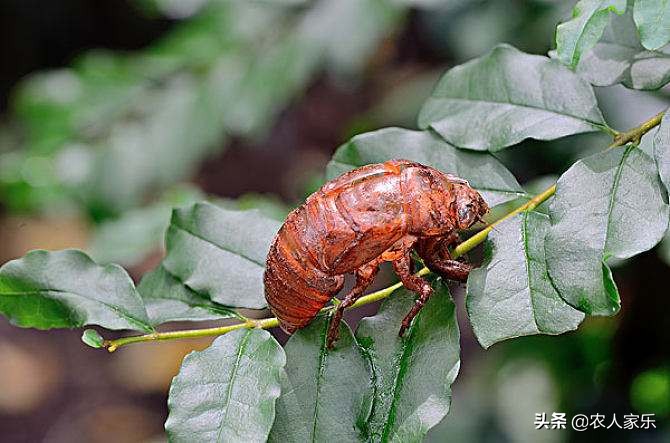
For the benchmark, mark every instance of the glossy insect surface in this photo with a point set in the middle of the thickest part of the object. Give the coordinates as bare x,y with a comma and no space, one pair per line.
376,213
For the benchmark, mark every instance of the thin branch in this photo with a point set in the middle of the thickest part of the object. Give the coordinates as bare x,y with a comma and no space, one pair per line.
621,138
635,134
266,323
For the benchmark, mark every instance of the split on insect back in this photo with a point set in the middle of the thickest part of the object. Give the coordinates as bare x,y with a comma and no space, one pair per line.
355,222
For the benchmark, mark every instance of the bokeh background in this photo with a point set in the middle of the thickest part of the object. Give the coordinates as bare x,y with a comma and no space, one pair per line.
114,111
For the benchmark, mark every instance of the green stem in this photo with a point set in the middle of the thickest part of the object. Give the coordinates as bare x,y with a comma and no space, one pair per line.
479,237
265,323
620,139
635,134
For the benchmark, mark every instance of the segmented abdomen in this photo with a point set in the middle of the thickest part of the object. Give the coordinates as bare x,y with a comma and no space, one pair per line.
348,222
295,288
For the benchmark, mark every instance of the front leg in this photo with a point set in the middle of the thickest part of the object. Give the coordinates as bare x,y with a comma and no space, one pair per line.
449,269
403,267
435,253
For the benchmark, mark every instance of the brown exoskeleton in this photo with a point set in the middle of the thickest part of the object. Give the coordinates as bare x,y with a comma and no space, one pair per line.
375,213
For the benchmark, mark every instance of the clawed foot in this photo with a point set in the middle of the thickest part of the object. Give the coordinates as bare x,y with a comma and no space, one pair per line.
333,334
403,328
418,305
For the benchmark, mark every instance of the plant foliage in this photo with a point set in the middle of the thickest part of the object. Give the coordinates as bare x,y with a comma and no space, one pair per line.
506,96
511,294
313,405
239,369
608,205
66,289
619,57
589,18
412,394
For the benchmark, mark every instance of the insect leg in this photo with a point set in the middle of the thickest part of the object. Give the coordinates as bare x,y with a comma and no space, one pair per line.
438,259
403,267
450,269
364,277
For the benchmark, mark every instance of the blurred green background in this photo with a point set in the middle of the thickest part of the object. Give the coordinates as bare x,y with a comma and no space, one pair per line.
114,111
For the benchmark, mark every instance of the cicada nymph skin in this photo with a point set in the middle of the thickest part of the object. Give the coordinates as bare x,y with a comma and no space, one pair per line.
376,213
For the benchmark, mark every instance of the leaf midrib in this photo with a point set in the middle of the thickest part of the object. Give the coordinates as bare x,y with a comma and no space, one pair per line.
323,351
491,102
576,54
524,238
407,347
231,380
205,306
218,246
614,189
127,316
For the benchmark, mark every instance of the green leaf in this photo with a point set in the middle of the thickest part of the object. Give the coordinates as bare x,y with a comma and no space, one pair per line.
661,149
66,289
325,394
413,374
168,299
228,391
611,204
577,36
220,253
92,338
484,172
653,21
506,96
511,294
619,58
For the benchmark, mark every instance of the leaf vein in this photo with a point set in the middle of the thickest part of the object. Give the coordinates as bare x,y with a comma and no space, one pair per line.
231,381
520,105
123,313
218,246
